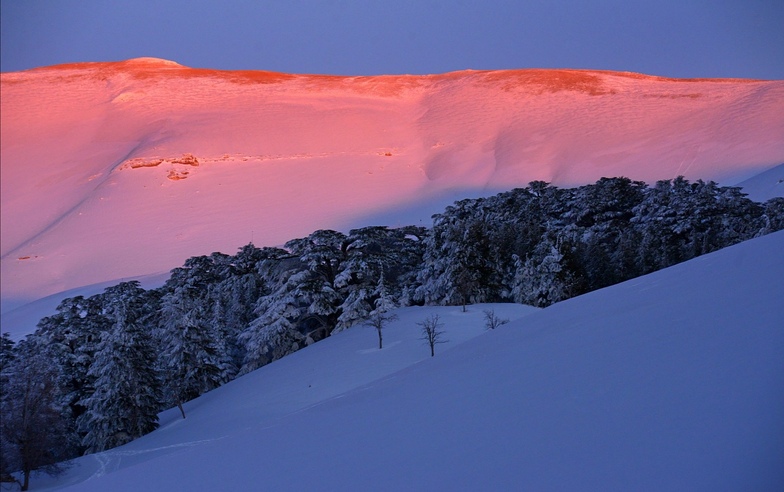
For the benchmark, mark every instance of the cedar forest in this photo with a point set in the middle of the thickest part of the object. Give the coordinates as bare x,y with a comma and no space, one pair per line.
96,373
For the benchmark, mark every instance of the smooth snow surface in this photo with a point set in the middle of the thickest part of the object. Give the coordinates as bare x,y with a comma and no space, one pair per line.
671,381
111,171
766,185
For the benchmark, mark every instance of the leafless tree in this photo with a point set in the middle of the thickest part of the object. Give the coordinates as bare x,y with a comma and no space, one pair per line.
379,320
32,429
492,321
432,332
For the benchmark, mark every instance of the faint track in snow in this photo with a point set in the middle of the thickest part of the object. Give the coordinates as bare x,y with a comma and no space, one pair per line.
109,461
26,242
681,171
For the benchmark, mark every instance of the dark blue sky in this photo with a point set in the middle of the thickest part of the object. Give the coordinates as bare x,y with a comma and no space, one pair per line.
678,38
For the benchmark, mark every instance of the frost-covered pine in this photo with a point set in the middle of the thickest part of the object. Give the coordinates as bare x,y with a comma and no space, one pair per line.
379,317
324,254
540,280
355,308
69,339
384,302
459,265
773,218
378,260
6,357
195,357
356,280
127,396
434,276
274,333
234,298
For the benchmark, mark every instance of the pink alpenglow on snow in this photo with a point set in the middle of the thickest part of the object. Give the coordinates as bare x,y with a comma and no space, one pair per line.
116,170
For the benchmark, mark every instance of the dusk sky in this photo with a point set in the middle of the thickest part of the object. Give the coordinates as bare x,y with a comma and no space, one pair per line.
677,38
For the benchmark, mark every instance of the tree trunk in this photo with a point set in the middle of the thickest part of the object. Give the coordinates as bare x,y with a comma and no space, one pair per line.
26,482
379,339
182,410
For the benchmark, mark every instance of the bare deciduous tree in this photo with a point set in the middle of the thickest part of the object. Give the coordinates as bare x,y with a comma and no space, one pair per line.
379,320
432,332
492,321
32,428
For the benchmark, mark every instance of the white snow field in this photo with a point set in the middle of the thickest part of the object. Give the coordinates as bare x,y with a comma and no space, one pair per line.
112,171
671,381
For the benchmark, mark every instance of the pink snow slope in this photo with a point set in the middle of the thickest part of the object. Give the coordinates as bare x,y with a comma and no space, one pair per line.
115,170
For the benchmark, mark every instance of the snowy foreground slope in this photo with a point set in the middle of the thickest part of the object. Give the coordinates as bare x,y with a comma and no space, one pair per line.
115,170
672,381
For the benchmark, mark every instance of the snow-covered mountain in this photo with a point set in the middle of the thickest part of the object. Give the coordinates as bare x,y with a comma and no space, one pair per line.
671,381
117,170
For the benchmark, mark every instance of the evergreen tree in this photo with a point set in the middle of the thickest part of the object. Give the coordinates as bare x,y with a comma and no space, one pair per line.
274,334
236,296
6,358
356,307
68,340
379,317
324,254
457,266
541,279
127,395
384,301
773,218
369,253
601,213
195,357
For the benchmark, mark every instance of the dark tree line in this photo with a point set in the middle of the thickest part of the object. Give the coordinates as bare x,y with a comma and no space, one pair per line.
98,371
542,244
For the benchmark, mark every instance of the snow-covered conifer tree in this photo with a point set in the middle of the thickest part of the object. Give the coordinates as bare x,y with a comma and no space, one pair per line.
68,340
379,317
127,396
196,357
274,333
324,253
541,280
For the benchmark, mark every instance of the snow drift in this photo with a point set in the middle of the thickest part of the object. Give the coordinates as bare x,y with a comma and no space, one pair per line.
116,170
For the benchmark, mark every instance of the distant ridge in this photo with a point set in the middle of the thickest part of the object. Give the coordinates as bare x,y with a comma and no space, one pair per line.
154,62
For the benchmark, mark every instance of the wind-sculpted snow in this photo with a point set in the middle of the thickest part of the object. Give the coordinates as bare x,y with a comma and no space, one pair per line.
99,181
671,381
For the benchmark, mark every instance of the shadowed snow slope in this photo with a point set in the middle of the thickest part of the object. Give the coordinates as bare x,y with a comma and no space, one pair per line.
765,185
115,170
672,381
